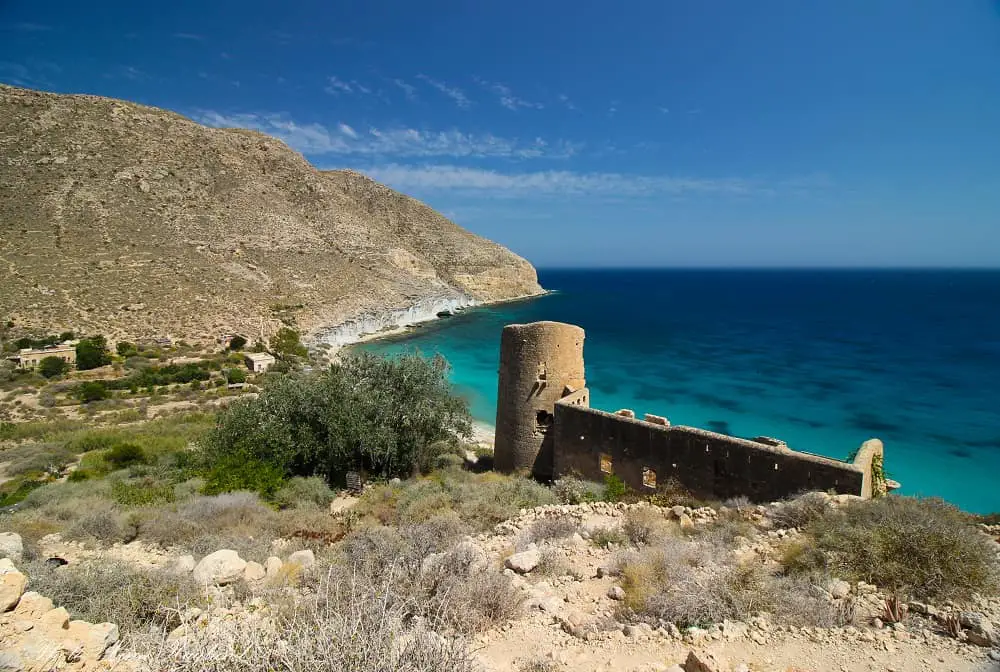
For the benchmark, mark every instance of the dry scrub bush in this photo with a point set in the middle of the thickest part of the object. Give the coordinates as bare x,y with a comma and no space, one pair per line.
480,500
347,626
449,585
116,592
643,526
298,492
573,490
925,548
604,537
550,529
802,510
697,583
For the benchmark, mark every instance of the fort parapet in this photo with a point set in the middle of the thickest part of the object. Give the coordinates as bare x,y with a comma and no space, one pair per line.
545,425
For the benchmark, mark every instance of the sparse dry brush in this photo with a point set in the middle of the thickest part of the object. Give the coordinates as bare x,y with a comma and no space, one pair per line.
924,548
698,583
349,625
117,592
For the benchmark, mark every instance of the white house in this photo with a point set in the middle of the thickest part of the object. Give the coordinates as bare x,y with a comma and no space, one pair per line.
258,362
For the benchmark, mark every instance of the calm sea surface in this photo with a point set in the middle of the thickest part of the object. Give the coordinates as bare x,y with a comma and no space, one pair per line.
821,359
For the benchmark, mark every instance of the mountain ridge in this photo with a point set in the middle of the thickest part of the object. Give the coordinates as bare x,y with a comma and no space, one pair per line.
139,222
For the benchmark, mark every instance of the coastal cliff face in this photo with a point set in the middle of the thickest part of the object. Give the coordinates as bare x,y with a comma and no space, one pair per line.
138,222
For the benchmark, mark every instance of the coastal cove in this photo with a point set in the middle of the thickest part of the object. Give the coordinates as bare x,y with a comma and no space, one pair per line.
821,359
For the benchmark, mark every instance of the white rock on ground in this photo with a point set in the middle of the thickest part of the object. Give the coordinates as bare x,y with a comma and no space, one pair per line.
304,559
253,572
183,565
12,585
39,637
222,567
11,546
272,566
839,588
523,562
616,593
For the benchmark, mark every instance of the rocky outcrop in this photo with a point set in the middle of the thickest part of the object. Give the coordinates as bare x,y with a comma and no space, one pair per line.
138,222
36,635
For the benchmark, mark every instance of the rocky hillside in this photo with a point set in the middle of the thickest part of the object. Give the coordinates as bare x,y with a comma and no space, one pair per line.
136,221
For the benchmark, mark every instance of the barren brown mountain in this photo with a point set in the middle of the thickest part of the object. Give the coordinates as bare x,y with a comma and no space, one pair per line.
138,222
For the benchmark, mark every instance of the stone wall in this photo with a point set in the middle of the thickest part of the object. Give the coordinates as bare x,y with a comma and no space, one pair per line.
539,364
646,455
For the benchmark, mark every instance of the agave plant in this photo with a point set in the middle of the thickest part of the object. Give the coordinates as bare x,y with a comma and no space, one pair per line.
952,625
894,610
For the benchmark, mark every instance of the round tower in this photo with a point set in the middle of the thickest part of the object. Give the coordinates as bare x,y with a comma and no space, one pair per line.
540,363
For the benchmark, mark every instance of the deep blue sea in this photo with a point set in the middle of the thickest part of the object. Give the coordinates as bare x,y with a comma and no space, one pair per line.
821,359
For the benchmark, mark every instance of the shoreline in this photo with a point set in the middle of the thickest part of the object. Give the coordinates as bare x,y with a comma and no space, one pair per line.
391,329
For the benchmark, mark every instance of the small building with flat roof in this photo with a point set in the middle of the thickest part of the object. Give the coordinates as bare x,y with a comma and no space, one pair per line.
30,358
258,362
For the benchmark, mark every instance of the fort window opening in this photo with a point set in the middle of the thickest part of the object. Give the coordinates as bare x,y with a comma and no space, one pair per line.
648,478
605,463
543,419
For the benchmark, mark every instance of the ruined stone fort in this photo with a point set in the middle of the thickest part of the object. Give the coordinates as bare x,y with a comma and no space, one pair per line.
545,427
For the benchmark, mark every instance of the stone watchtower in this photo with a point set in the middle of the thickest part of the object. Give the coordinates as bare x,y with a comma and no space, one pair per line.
540,363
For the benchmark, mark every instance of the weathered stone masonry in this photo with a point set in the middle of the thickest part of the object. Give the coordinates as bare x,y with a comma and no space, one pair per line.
539,364
545,425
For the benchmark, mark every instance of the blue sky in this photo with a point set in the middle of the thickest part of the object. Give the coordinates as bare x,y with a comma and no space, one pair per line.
659,133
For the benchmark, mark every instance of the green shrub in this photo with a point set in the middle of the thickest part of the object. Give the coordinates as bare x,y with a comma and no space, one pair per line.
235,375
126,349
125,455
92,352
237,343
925,548
231,473
603,537
364,413
50,367
300,491
17,489
550,529
92,390
286,343
144,492
615,489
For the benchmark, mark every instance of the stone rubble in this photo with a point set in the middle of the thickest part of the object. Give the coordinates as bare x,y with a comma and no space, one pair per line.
36,636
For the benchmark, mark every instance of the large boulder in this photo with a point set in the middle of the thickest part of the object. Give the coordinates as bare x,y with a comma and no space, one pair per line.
12,585
219,568
11,546
523,562
304,559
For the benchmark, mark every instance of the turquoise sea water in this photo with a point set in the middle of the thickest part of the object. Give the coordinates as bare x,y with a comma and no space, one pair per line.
821,359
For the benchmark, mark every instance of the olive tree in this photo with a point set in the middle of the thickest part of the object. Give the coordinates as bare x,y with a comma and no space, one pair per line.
364,413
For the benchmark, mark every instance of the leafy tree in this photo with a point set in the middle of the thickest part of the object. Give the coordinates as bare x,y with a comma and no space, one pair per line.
67,336
237,343
50,367
286,343
92,352
93,390
235,375
126,349
364,413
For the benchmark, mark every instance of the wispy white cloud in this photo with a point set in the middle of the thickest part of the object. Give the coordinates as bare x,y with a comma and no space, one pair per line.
129,72
337,86
507,98
25,27
452,92
556,182
664,110
189,36
613,108
409,90
317,139
33,74
564,99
